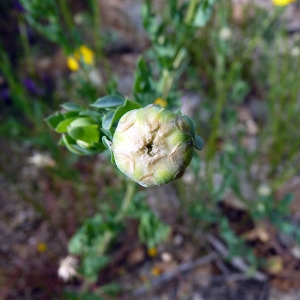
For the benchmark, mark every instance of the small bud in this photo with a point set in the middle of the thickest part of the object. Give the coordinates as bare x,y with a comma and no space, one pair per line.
152,145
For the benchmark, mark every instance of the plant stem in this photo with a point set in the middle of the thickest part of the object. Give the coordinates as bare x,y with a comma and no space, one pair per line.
26,46
108,235
69,21
97,26
191,11
130,188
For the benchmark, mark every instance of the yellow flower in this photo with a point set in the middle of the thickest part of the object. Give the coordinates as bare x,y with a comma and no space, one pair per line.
161,102
152,252
83,54
73,64
156,271
282,2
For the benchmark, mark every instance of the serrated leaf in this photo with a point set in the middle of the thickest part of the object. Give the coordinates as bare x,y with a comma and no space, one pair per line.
89,133
198,142
63,126
54,119
108,101
70,106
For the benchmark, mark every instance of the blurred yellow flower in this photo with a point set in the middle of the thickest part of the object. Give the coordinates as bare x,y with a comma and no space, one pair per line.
161,102
155,271
84,54
282,2
41,247
152,252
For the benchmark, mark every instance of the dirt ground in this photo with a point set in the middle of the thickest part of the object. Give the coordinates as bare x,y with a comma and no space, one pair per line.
34,234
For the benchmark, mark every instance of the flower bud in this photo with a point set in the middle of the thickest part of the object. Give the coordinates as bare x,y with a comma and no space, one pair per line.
152,145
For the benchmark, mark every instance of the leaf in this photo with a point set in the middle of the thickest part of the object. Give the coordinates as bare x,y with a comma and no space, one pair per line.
107,120
92,264
192,124
107,143
198,142
122,110
108,101
114,116
96,116
54,119
83,121
203,13
70,106
89,133
63,126
67,140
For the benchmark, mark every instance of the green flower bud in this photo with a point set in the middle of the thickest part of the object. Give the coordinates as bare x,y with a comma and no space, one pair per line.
152,145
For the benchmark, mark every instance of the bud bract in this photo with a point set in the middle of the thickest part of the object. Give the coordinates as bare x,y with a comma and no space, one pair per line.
152,145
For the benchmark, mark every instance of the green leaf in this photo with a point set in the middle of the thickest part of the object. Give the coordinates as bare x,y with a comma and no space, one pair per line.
192,124
63,126
89,133
92,264
68,142
108,101
122,110
107,120
107,143
203,13
70,106
198,142
54,119
83,121
96,116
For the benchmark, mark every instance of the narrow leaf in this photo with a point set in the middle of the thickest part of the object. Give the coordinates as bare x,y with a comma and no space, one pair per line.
70,106
108,101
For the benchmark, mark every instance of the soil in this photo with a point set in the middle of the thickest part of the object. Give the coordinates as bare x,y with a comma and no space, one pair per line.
40,212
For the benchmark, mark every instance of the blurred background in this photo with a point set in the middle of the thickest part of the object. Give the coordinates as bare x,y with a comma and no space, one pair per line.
229,228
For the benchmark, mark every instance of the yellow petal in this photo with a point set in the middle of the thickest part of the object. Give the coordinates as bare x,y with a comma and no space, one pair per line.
72,64
282,2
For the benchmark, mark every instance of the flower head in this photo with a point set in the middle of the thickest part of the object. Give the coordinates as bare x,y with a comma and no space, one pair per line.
282,2
152,145
67,268
83,54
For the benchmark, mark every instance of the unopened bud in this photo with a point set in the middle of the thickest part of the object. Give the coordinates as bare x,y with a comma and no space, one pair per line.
152,145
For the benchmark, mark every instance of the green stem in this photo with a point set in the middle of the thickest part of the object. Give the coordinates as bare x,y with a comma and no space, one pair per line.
26,46
108,235
191,11
130,188
97,26
68,18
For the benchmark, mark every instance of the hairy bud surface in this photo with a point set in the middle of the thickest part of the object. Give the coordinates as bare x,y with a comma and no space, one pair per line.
152,145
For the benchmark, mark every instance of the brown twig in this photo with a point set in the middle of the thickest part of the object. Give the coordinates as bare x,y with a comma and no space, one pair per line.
237,262
168,276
